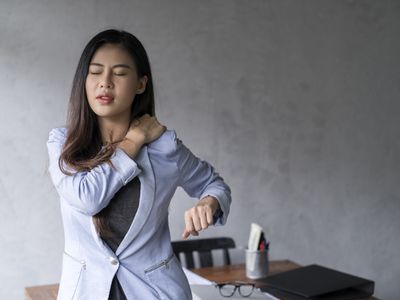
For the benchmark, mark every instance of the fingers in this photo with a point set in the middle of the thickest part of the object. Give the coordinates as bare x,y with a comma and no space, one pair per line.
146,118
209,216
147,127
197,218
186,234
189,226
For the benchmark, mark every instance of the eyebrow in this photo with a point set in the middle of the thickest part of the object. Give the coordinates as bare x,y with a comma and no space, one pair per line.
114,66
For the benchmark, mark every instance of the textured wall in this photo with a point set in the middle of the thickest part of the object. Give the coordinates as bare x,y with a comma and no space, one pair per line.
295,102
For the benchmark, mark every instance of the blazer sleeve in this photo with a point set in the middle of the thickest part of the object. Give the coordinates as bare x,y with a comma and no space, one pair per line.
199,179
89,192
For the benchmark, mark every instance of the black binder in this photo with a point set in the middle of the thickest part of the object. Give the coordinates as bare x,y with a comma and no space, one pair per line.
315,282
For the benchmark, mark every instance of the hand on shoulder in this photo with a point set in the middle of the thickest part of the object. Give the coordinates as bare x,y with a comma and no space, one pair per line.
145,129
141,131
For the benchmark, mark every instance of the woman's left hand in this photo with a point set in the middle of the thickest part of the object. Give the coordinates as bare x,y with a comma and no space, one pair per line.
200,216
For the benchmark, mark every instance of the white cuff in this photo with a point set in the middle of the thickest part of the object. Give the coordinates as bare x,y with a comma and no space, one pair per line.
126,166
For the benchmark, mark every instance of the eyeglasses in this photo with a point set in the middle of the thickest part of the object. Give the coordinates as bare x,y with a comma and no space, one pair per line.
227,289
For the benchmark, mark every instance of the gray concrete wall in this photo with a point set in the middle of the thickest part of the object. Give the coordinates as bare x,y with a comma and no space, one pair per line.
295,102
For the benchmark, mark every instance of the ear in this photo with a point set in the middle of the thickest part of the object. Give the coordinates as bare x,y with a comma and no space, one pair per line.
142,85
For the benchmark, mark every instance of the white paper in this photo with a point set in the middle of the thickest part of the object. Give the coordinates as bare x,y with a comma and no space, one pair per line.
254,238
193,278
204,289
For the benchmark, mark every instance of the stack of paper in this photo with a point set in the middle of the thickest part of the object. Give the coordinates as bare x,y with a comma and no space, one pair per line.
204,289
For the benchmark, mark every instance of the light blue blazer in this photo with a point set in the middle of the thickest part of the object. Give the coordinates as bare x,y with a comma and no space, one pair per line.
144,261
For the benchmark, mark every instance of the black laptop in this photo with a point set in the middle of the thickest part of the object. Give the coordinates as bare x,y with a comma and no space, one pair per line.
315,282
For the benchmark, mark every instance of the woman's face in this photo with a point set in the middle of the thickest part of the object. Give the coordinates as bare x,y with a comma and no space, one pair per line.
112,82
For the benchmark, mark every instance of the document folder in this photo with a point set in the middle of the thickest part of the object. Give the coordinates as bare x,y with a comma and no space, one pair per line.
315,282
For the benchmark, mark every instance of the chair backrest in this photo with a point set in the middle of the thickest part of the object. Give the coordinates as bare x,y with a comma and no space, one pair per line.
203,247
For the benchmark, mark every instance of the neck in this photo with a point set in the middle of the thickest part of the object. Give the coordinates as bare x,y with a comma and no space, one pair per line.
113,129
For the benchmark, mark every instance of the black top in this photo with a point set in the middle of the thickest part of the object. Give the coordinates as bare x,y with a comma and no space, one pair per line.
119,215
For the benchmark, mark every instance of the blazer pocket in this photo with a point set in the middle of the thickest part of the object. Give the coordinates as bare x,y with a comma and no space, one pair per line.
162,264
71,275
168,279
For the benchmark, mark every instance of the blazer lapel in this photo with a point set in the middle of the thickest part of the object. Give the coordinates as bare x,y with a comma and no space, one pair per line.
146,201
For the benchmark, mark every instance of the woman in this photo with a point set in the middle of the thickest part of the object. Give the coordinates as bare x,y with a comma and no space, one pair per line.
116,168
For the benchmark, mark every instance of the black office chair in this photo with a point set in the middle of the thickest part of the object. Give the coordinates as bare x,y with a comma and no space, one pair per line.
203,247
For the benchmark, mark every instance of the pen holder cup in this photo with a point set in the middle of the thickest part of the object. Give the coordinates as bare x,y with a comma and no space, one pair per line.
256,264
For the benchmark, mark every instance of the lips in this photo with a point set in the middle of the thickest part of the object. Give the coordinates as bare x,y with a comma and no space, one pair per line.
105,98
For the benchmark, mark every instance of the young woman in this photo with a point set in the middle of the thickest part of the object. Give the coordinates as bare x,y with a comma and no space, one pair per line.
116,168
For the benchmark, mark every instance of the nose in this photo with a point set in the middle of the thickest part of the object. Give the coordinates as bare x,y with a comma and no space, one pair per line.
105,82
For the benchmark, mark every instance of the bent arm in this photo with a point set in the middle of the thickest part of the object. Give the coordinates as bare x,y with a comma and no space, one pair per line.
89,192
199,179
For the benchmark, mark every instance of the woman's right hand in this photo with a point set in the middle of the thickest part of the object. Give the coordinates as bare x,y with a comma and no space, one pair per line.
145,129
141,131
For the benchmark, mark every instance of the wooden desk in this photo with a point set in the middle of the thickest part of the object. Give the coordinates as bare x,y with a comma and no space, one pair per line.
238,272
217,274
42,292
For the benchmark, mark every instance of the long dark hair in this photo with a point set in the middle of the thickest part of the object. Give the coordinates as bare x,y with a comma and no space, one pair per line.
82,150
